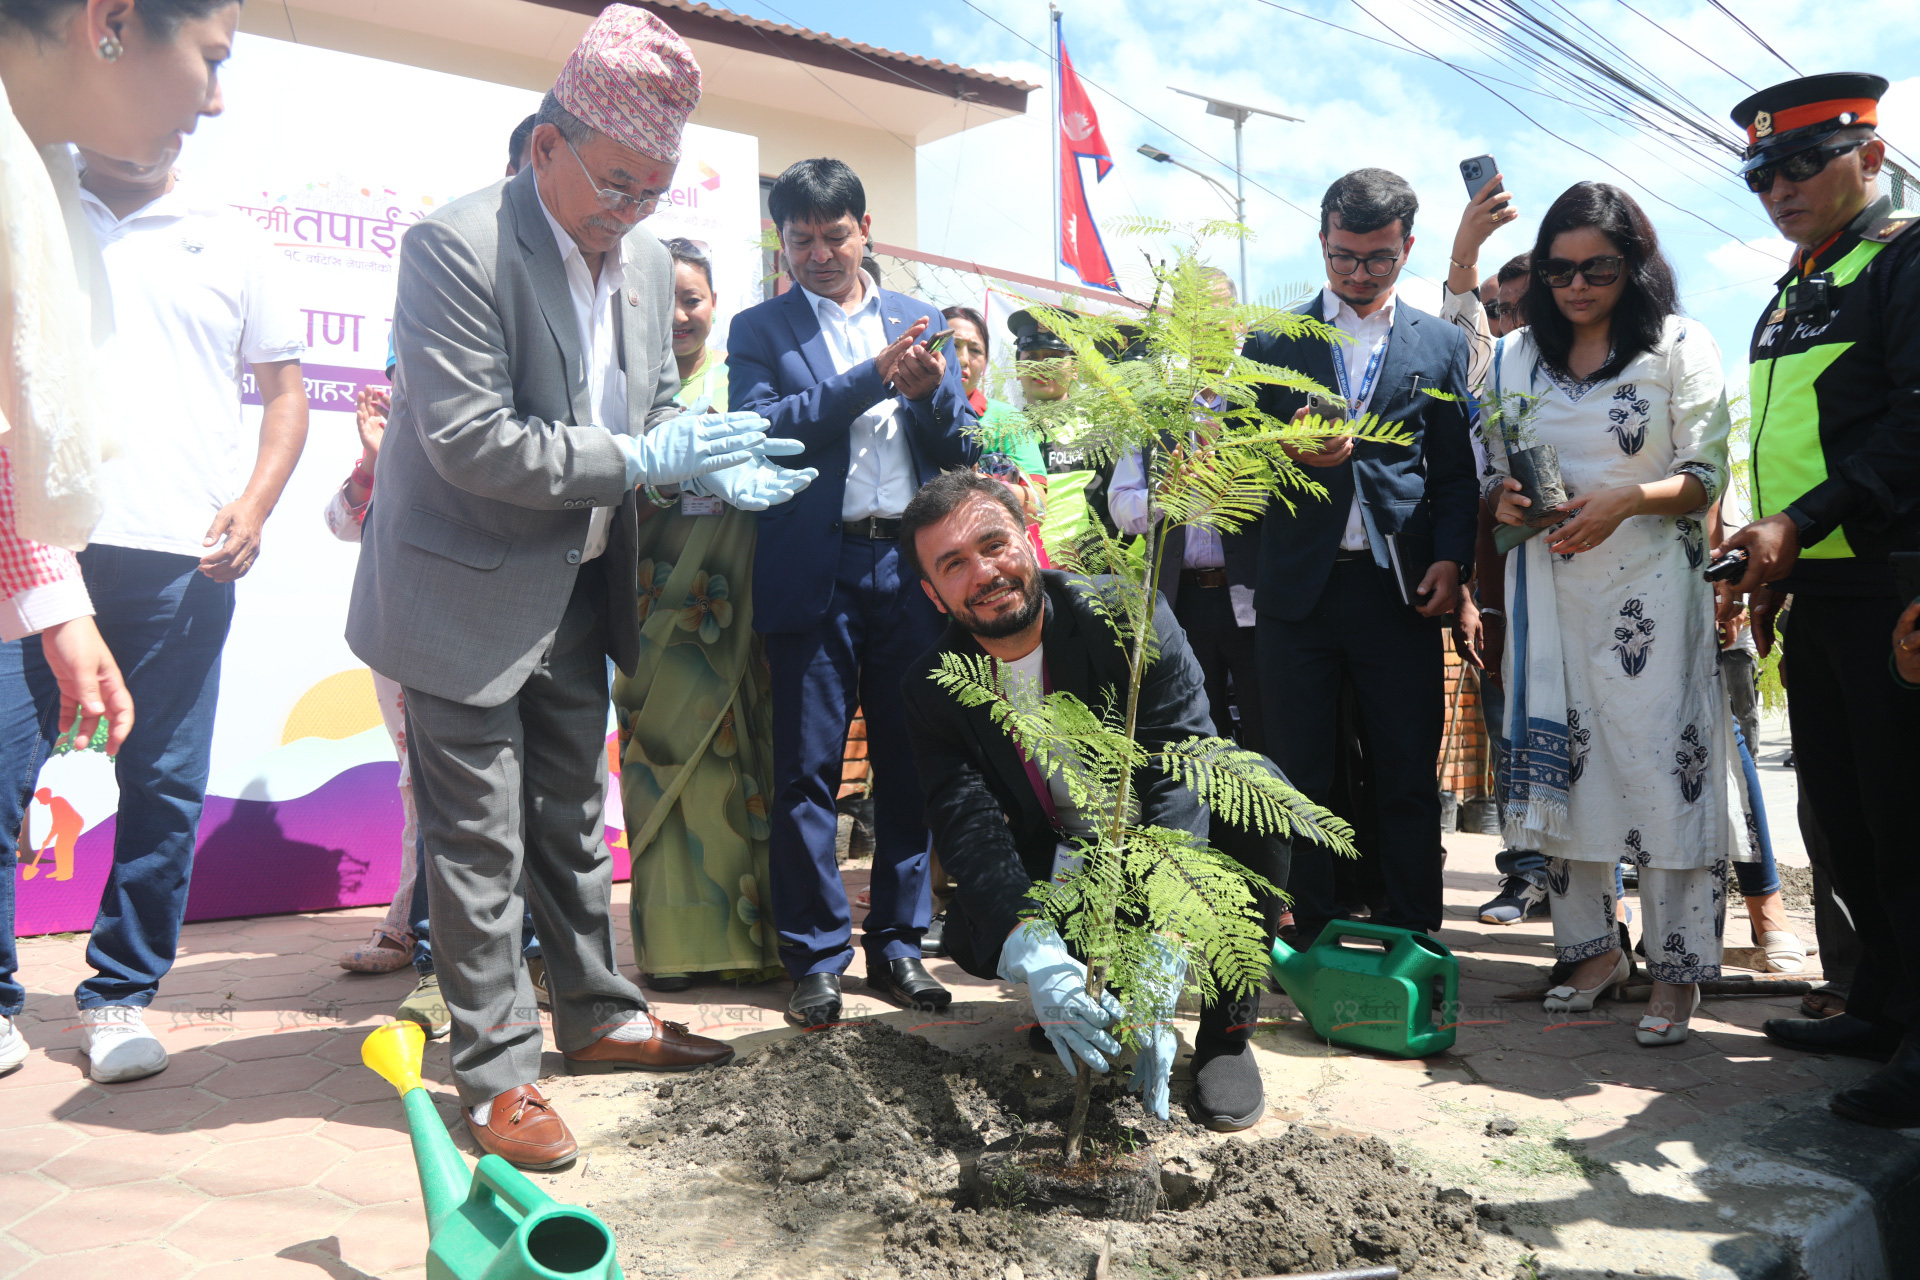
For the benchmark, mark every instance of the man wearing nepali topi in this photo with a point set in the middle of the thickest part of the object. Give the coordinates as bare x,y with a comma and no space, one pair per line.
534,394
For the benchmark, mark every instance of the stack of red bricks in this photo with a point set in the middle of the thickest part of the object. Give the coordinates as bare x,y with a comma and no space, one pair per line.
1465,762
855,773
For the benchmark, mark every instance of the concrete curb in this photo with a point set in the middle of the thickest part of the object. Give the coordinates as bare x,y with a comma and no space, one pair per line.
1774,1190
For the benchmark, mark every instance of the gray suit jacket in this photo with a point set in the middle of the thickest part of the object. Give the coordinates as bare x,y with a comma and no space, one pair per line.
492,462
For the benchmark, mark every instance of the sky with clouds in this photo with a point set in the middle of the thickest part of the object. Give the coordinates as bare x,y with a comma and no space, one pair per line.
985,194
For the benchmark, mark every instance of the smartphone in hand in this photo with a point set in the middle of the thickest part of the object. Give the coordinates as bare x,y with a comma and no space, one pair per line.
1478,172
934,341
1320,406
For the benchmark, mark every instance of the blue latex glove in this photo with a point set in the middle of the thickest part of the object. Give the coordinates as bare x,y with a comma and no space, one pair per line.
756,484
1057,986
1153,1014
693,444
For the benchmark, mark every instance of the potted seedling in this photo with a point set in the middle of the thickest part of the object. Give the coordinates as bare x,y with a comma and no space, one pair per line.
1506,423
1149,904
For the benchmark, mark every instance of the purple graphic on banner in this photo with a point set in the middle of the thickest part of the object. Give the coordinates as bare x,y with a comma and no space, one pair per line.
336,846
329,386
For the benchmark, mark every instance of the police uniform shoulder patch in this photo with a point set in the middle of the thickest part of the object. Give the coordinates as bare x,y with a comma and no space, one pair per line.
1892,225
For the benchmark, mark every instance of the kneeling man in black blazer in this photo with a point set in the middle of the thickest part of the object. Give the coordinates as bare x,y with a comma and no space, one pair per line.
996,821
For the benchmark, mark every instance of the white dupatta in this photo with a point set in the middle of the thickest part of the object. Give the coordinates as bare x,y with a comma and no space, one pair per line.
55,311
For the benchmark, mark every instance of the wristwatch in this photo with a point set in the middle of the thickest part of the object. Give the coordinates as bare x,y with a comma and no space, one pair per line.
1801,523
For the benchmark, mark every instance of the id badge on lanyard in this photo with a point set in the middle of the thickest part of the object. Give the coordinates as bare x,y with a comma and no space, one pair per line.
1067,862
1357,402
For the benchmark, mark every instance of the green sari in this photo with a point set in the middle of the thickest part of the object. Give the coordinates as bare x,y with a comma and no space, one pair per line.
696,743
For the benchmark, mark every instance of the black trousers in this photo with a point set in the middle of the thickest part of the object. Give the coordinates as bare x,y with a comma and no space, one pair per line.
1360,630
1228,660
1856,742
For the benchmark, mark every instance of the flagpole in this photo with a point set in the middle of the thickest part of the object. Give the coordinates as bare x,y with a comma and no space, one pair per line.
1059,252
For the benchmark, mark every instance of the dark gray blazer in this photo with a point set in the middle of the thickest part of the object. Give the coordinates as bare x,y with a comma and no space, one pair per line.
492,462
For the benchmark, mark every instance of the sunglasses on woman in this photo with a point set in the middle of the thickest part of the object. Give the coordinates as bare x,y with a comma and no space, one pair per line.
1600,271
1799,166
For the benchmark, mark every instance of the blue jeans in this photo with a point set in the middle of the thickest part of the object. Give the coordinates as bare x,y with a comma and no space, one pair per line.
422,933
1509,862
166,624
1757,879
29,724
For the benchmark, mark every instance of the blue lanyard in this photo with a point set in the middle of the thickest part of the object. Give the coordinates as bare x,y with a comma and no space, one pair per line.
1358,404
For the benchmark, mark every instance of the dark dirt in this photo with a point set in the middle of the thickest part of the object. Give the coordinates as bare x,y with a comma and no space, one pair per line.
850,1153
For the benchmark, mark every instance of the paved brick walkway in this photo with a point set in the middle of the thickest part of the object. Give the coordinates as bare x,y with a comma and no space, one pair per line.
266,1150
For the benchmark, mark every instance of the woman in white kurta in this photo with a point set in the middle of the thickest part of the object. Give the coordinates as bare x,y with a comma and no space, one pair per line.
1621,734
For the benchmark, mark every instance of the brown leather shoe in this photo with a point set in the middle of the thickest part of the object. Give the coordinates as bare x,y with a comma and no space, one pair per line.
523,1129
671,1048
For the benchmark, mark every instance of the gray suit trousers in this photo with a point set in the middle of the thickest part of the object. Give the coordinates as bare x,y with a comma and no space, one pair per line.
512,789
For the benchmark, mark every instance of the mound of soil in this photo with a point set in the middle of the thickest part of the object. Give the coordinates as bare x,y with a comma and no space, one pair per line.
851,1152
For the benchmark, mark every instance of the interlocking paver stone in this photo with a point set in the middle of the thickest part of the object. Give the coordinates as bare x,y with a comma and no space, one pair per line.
102,1216
270,1164
131,1157
268,1075
259,1226
121,1262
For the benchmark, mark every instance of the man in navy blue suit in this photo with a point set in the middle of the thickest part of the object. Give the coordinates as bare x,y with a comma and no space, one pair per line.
839,364
1355,586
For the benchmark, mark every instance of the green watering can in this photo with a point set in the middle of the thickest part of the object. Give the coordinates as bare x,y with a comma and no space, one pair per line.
492,1224
1374,987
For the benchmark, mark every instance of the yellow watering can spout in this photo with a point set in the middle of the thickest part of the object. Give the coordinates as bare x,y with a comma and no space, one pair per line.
394,1052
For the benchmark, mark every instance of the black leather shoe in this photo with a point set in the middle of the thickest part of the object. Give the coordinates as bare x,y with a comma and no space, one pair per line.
1890,1097
907,983
934,939
816,1001
1843,1033
668,981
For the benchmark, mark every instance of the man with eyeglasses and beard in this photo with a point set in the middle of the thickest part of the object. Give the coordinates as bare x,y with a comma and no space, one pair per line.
1353,587
1836,488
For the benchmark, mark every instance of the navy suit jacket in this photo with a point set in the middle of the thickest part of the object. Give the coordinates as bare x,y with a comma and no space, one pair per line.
1426,494
779,366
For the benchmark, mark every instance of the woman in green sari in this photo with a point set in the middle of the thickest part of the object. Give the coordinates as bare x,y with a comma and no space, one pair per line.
696,722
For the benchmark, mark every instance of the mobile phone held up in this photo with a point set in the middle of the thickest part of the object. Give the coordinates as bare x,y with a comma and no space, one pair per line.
1478,172
1325,407
935,341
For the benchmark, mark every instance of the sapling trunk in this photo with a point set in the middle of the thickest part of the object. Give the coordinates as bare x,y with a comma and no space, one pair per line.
1096,972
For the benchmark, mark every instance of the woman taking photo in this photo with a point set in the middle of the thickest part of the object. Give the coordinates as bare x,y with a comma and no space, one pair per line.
696,720
1621,739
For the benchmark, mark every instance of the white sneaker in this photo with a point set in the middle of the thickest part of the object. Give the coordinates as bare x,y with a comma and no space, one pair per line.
13,1046
118,1045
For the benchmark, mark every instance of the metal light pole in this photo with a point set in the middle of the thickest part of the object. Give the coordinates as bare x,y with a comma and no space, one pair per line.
1238,113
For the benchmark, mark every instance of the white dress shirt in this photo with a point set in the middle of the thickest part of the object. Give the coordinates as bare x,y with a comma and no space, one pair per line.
200,294
1128,503
1369,334
880,466
596,310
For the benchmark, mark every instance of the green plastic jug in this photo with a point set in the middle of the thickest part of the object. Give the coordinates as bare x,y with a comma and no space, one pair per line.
1374,987
494,1224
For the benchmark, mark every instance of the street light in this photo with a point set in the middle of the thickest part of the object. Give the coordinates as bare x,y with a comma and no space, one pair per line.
1237,112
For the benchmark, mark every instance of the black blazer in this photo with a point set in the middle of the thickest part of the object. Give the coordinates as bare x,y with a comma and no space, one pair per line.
994,837
1427,494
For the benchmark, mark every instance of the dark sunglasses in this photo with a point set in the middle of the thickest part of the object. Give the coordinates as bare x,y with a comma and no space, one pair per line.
1601,271
1345,264
1799,166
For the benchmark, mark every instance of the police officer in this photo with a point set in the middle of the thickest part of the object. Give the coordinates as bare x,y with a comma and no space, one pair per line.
1077,479
1836,479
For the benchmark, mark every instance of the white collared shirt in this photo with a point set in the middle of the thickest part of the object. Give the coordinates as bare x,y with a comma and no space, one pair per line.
880,466
199,295
1369,334
596,309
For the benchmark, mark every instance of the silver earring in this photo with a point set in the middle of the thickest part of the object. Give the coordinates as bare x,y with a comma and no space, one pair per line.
110,47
